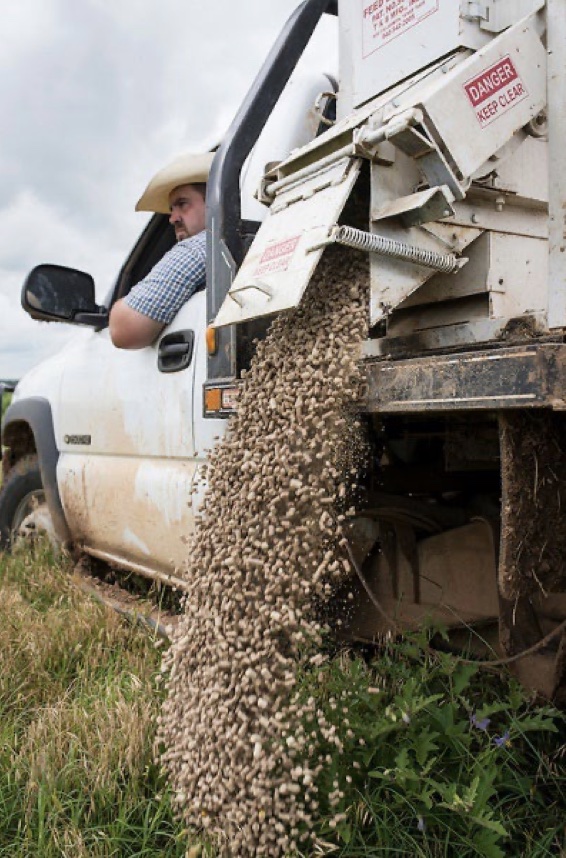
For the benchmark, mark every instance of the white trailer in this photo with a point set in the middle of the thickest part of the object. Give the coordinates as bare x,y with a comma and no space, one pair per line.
450,130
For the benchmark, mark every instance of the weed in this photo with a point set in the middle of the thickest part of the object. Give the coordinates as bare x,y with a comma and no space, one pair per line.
426,756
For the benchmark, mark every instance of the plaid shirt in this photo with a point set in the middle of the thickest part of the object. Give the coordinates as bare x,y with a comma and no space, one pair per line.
172,281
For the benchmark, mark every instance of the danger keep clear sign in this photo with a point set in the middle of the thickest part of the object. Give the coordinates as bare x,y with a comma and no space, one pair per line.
385,20
495,91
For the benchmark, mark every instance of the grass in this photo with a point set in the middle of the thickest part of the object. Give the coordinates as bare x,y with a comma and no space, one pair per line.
415,750
5,402
78,706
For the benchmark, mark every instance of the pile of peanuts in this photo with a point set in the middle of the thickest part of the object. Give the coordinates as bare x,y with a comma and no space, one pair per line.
268,551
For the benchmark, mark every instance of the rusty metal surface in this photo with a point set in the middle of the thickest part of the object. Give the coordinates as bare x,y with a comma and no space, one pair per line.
530,376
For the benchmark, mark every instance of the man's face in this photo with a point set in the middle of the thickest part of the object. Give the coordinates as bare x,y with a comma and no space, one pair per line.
188,211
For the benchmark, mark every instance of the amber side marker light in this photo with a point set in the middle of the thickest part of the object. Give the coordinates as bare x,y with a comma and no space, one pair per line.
213,399
211,340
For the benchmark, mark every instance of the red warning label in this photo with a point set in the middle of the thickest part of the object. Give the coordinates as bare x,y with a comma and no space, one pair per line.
385,20
495,91
277,257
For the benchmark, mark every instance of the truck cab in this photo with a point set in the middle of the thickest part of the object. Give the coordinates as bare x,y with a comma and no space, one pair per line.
118,436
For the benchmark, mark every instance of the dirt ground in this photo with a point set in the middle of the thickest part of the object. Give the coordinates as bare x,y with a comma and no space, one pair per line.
533,536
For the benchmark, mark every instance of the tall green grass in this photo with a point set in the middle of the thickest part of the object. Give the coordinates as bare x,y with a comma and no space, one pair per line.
78,707
430,758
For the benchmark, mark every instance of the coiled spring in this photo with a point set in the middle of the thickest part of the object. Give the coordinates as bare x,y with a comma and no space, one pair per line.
359,240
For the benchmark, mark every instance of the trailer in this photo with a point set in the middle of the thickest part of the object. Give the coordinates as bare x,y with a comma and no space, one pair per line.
449,134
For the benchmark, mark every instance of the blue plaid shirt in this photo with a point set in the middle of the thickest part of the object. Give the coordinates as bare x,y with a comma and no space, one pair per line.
172,281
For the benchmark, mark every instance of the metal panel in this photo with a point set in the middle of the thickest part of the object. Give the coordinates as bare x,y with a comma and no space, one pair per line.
393,280
518,276
531,376
386,42
503,13
464,336
557,159
512,268
281,261
486,99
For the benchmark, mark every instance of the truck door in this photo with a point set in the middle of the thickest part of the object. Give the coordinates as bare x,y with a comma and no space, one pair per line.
126,435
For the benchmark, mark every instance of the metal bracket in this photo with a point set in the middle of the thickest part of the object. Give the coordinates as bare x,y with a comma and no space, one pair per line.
418,143
261,287
474,11
423,207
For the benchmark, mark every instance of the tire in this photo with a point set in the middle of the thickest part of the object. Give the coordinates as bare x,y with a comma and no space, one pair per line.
21,494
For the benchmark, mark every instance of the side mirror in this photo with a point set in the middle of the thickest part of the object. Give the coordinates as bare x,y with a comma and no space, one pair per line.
53,293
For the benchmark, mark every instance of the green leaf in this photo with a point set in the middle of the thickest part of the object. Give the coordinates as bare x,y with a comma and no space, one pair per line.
402,759
485,844
424,744
537,722
469,795
380,774
462,676
490,824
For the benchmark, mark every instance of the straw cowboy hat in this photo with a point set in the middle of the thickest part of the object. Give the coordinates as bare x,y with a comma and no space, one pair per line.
184,170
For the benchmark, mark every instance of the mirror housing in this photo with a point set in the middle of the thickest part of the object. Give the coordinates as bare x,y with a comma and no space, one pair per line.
54,293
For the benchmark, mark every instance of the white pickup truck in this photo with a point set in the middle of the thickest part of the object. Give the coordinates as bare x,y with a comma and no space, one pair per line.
448,140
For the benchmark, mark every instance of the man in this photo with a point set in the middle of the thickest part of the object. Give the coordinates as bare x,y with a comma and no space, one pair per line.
178,190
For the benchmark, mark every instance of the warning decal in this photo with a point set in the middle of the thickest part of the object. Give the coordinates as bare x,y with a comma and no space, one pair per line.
384,20
277,257
495,91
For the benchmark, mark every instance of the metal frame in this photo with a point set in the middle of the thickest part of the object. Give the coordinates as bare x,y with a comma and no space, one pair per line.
225,242
521,377
556,36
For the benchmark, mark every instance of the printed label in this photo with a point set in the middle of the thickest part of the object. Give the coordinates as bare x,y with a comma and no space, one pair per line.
495,91
277,257
384,20
83,440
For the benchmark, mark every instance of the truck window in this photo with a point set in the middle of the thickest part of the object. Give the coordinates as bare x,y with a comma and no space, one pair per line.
157,238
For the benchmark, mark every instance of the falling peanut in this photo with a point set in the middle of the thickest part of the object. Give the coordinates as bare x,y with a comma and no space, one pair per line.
266,552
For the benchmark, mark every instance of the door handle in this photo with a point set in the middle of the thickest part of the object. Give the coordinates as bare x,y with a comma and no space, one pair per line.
175,351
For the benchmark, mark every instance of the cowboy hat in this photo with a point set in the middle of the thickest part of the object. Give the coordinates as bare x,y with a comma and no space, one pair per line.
184,170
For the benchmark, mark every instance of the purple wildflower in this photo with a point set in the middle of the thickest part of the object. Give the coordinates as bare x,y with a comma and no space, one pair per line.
502,741
479,724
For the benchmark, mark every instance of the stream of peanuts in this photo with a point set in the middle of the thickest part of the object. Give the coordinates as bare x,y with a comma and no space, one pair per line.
267,552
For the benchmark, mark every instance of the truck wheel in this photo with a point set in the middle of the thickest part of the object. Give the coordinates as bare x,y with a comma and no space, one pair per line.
23,509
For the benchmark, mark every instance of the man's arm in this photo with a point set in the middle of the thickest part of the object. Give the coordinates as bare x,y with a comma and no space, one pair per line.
130,329
137,320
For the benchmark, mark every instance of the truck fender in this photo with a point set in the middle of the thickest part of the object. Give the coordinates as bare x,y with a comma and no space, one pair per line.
35,414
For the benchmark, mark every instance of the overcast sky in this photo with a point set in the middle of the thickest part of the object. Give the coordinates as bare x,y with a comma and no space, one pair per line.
95,96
